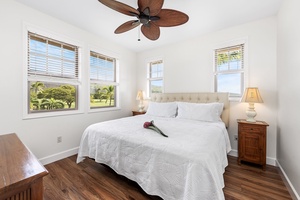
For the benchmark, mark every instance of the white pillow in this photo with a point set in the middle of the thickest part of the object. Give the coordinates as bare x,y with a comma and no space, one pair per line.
209,112
162,109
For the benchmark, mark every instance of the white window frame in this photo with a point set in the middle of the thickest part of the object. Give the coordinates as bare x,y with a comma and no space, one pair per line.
59,37
116,83
149,79
227,44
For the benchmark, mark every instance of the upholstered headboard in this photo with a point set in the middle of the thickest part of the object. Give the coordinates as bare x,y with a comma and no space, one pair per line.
196,98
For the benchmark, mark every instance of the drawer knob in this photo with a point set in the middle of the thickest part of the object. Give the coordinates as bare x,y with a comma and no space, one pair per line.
251,129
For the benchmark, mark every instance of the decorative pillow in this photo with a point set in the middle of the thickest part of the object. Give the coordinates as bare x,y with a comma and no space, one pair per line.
209,112
168,109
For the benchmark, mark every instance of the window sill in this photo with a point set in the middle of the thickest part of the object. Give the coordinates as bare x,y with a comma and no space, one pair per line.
51,114
103,109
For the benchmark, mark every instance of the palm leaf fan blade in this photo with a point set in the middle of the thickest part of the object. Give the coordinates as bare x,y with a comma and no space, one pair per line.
120,7
151,31
127,26
169,17
153,5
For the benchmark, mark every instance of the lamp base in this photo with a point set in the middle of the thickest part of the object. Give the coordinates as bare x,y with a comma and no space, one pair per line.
141,106
251,113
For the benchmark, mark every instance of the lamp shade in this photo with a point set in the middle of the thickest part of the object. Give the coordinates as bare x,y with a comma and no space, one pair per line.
252,95
140,95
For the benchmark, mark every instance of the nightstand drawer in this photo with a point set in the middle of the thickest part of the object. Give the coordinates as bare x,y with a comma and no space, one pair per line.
254,129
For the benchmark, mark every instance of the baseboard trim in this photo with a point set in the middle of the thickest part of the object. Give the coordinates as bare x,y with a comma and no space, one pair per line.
270,161
288,183
233,153
58,156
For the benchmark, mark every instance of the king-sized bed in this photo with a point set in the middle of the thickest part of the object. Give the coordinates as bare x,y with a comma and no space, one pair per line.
187,165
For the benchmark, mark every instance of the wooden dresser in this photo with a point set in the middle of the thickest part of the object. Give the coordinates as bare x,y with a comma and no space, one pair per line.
21,174
252,142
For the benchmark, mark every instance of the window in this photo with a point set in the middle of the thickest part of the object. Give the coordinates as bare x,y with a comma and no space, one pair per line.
229,70
52,75
103,81
155,77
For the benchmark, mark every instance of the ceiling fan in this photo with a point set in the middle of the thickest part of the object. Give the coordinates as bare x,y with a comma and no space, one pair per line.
150,14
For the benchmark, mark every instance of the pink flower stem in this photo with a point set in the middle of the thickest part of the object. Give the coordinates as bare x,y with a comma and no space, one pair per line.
153,127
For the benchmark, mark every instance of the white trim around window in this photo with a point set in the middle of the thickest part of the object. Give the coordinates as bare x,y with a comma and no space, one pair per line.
78,82
230,43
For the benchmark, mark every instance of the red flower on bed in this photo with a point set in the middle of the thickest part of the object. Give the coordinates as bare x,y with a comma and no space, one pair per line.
150,125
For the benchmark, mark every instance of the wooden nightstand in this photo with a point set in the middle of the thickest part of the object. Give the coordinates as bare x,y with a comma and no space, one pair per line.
252,142
138,113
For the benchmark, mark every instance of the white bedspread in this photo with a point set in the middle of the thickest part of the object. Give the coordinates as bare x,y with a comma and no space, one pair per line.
188,165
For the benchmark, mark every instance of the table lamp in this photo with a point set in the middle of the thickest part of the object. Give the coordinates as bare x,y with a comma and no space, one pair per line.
251,96
140,96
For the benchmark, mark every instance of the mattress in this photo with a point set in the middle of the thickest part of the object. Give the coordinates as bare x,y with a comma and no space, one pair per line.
187,165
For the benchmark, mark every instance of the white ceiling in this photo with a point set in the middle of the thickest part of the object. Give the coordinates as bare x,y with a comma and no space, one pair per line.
204,16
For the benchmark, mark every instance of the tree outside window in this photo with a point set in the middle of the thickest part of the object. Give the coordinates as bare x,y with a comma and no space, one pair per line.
51,96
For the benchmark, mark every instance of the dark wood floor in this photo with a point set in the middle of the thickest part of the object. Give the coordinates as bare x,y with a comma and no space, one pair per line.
89,180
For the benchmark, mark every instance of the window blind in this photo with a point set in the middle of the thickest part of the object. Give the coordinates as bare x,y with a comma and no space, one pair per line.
102,68
156,62
229,58
51,58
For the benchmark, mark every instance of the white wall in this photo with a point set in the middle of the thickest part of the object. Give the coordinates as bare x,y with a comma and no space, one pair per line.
189,66
288,141
40,134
